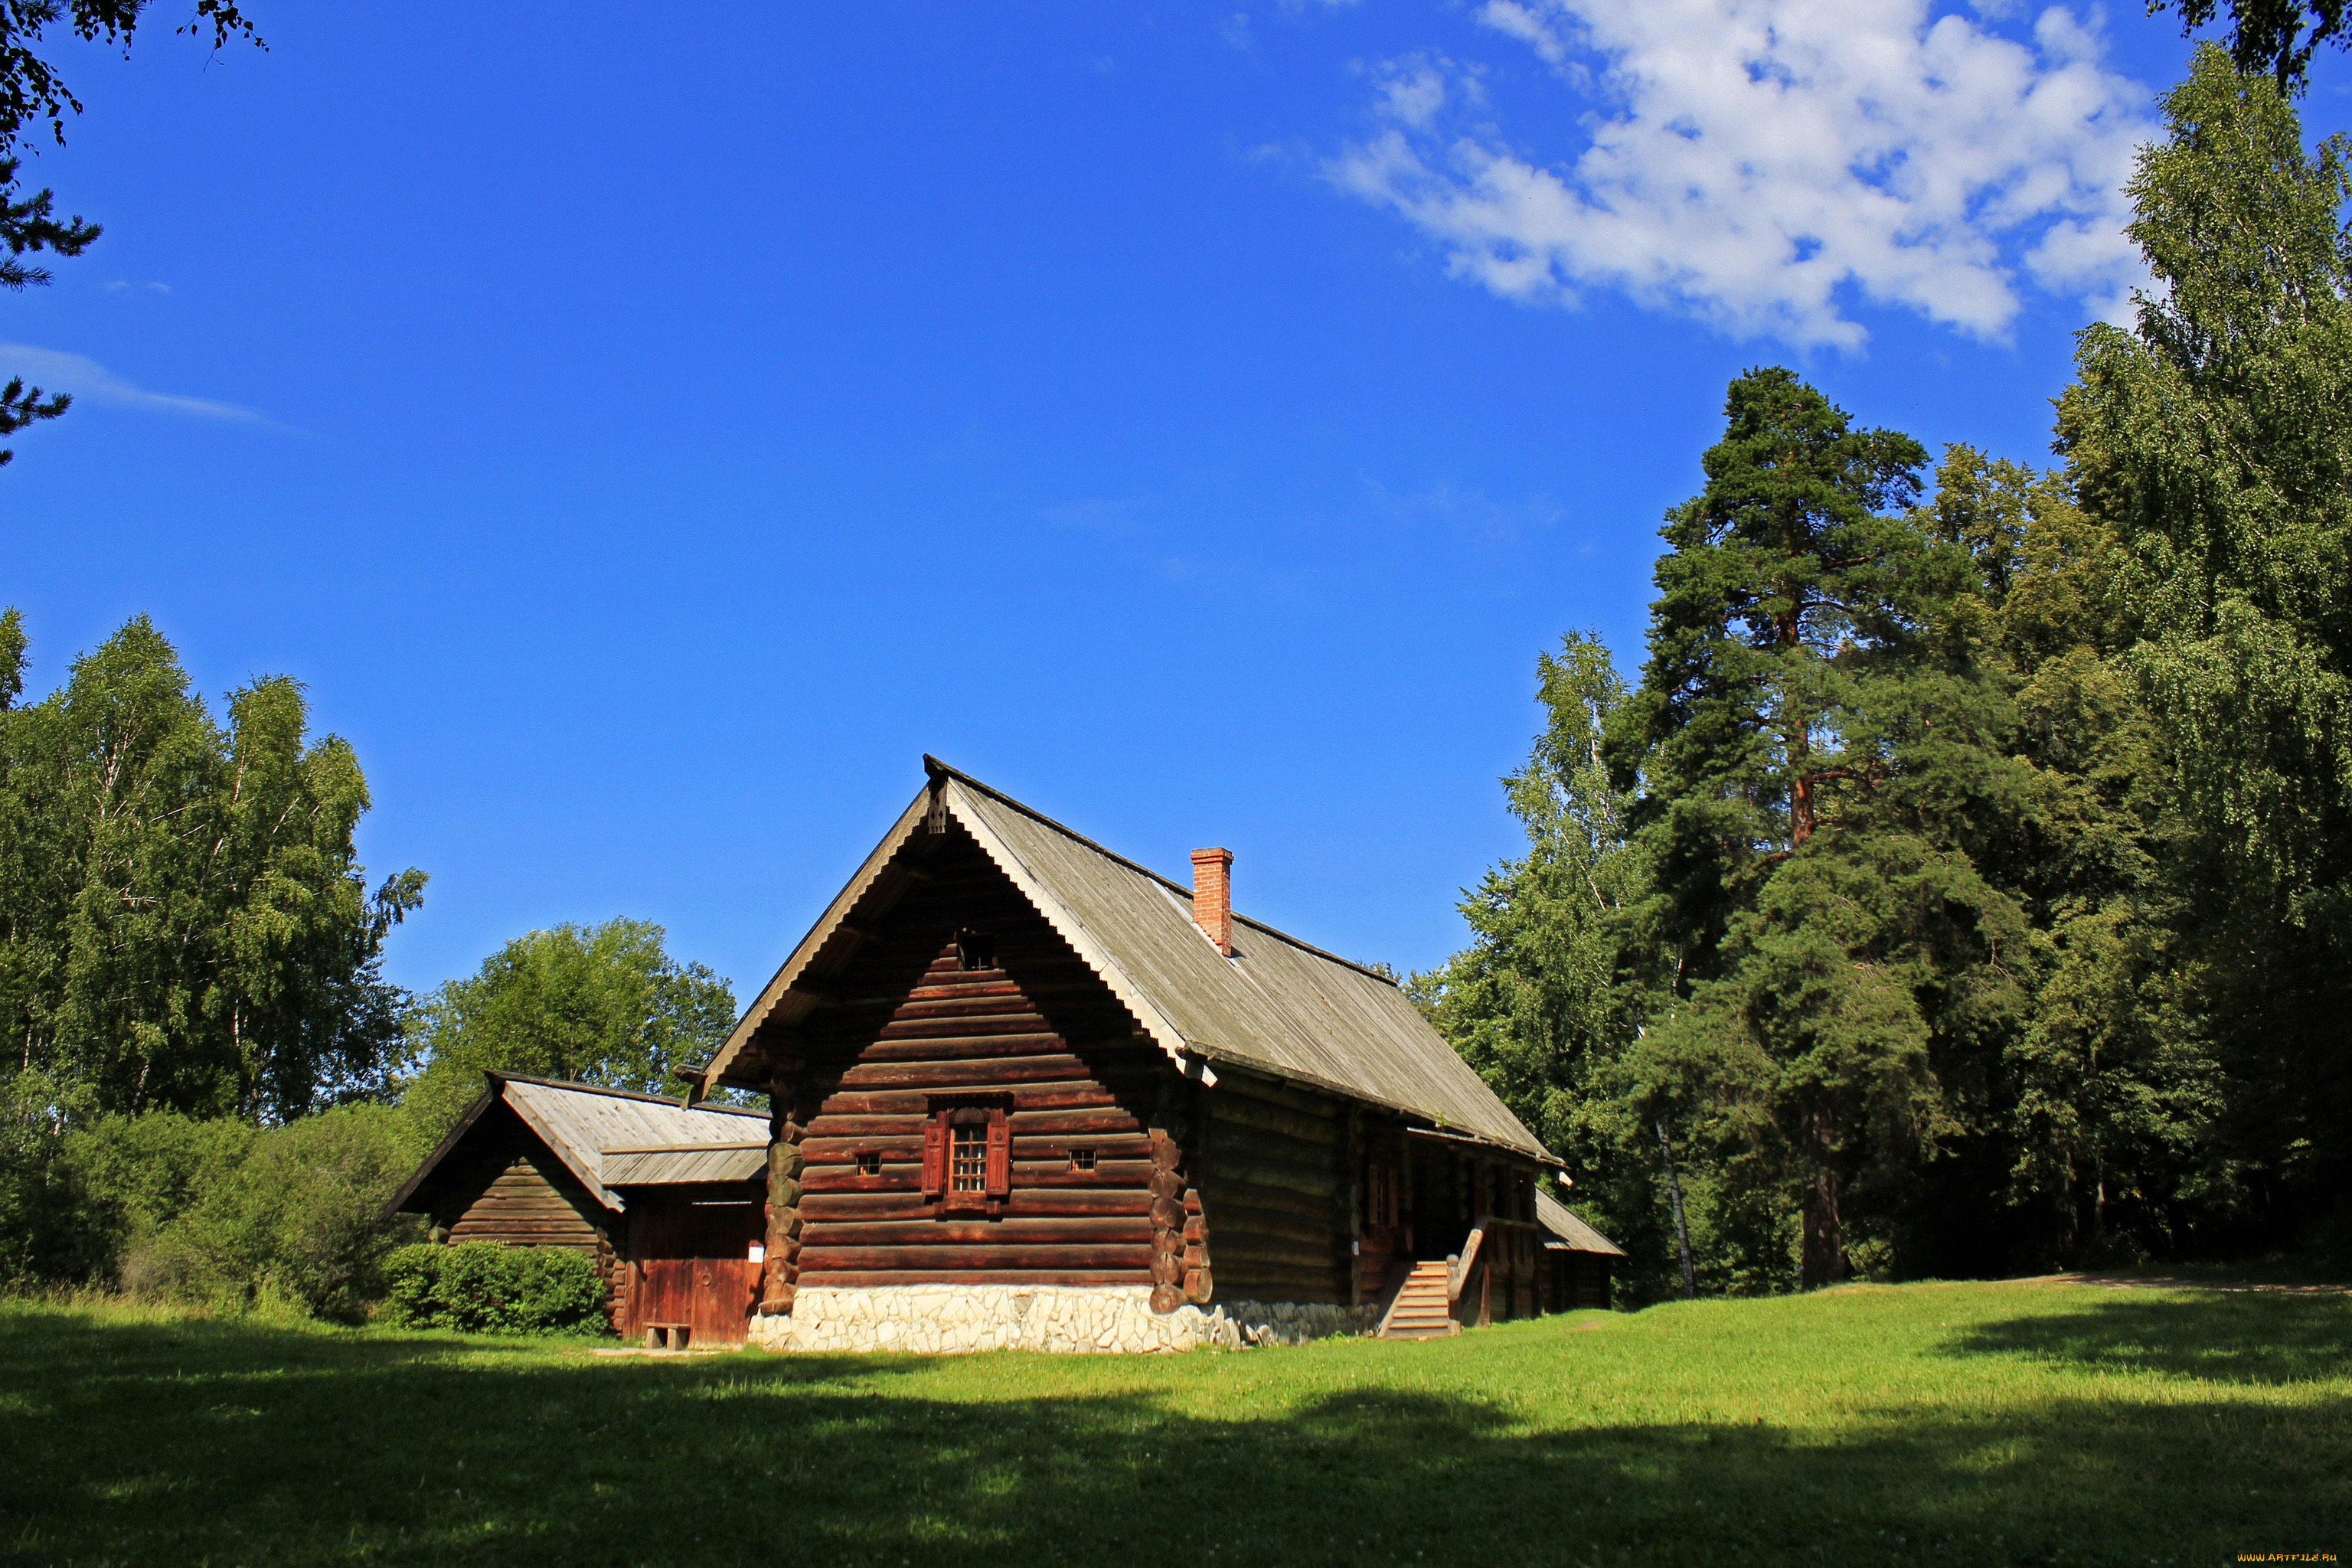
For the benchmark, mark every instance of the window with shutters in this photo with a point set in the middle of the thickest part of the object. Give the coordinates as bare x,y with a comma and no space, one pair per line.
967,1159
968,1154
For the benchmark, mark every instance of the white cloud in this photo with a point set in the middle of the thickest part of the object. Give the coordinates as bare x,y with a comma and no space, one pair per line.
54,371
1750,161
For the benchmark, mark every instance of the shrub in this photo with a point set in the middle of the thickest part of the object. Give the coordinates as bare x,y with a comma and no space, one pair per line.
237,1217
486,1287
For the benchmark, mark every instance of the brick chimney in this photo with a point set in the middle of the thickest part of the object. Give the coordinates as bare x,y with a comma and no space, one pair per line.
1213,896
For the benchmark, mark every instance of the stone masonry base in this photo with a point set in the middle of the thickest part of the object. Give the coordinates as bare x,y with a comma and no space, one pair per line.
947,1319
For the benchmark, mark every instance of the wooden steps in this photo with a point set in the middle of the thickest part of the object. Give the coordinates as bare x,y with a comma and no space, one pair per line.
1420,1310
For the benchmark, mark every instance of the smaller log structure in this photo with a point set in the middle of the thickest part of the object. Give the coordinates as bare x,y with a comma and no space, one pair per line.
666,1197
1577,1259
1014,1078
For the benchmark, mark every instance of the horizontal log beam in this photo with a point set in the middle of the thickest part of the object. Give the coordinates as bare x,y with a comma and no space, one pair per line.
1030,1256
1020,1022
989,1073
1230,1141
1217,1188
1122,1174
1239,1110
1239,1080
1231,1249
871,1278
1127,1230
1281,1175
1076,1094
1230,1219
1029,1205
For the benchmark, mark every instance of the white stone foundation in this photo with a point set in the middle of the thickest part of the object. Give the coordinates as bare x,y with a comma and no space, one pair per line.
949,1319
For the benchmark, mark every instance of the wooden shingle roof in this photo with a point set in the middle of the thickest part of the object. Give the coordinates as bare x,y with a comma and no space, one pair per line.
579,1123
1564,1229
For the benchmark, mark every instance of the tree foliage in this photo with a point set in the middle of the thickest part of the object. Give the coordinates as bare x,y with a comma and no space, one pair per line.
1817,757
184,924
1988,899
2214,438
2273,38
603,1004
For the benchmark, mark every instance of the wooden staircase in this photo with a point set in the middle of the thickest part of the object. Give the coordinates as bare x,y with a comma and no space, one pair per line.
1422,1308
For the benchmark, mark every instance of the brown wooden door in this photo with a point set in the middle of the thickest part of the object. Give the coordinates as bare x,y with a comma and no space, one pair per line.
694,1267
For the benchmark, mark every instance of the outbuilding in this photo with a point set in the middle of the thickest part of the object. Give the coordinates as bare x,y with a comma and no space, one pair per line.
667,1198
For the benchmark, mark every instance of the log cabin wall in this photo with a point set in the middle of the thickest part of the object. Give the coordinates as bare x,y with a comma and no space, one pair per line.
1276,1197
515,1191
1384,1206
1573,1280
909,1027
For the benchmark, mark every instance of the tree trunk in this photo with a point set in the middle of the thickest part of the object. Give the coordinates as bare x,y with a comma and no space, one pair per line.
1682,1231
1822,1258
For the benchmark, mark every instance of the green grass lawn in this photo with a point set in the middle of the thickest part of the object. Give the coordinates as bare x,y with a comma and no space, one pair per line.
1959,1424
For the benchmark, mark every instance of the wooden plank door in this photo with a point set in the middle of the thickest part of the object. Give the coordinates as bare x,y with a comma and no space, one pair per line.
694,1266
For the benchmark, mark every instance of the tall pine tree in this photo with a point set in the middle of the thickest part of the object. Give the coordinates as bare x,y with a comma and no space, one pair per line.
1817,753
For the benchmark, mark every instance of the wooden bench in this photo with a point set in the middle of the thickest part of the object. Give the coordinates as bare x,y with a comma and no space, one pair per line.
668,1336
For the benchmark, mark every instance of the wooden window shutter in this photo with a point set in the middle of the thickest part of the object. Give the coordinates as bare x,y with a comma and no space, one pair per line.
935,1156
1000,1154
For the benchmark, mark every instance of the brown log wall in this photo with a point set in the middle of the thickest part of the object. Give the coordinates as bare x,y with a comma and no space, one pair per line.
905,1023
1275,1194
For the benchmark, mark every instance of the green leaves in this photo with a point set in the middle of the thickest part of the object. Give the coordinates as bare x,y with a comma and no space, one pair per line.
601,1005
2215,440
184,924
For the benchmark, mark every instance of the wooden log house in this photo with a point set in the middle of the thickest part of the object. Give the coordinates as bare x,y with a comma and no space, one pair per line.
1025,1091
666,1198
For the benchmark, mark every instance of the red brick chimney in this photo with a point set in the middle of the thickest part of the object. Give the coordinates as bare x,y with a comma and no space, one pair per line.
1213,896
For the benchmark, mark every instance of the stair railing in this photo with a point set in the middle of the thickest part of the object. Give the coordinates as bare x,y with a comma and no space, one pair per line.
1458,1267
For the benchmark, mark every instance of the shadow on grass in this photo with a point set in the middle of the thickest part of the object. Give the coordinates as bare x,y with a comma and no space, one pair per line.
2213,1337
235,1445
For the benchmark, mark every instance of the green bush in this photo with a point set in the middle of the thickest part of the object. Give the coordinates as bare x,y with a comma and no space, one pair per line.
486,1287
237,1217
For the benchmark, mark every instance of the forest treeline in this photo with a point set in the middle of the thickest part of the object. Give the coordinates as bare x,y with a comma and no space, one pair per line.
1963,883
208,1089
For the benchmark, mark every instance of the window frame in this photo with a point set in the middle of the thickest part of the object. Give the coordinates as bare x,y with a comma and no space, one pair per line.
993,1114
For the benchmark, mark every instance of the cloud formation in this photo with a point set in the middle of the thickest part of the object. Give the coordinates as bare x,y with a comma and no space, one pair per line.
1758,163
52,371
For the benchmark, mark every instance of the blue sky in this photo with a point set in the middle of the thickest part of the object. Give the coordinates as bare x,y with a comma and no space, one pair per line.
647,431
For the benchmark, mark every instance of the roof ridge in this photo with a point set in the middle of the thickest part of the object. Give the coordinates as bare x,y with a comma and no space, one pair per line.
502,1076
937,769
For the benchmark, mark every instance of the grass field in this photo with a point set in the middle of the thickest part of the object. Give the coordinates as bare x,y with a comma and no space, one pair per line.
1925,1424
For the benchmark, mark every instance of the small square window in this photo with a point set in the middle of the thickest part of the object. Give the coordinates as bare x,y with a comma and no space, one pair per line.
1082,1159
869,1163
968,1159
975,950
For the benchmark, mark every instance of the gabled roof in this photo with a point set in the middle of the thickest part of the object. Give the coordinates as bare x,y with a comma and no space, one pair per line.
580,1122
1568,1231
1278,1006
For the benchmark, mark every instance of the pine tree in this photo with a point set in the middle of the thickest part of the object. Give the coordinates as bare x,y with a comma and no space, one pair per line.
1817,752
